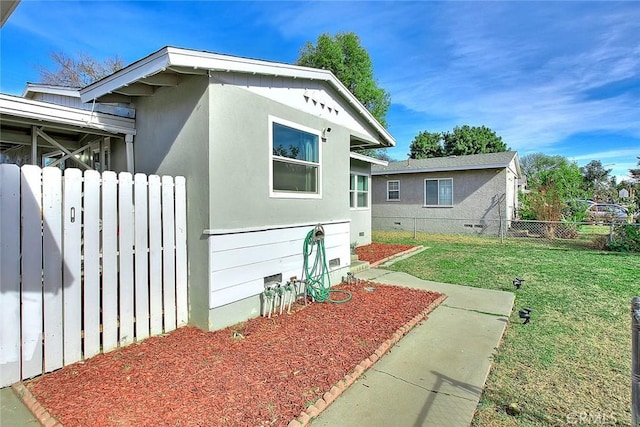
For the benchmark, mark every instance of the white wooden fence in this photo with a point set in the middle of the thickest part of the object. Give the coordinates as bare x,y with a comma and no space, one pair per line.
87,264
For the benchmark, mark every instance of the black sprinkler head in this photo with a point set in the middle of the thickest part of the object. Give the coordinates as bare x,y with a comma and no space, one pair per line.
525,314
517,282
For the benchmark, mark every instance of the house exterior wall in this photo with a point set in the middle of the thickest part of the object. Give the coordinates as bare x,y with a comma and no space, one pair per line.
479,201
361,217
173,139
265,233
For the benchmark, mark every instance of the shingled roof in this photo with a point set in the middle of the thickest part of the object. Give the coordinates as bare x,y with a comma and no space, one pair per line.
451,163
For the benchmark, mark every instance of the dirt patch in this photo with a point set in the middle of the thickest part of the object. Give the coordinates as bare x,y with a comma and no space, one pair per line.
261,372
376,252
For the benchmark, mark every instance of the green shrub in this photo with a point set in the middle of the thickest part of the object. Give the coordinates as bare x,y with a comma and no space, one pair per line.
626,238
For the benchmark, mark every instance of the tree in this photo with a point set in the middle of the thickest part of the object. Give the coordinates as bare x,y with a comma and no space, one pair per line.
534,164
597,180
351,64
426,145
551,191
78,72
472,140
635,173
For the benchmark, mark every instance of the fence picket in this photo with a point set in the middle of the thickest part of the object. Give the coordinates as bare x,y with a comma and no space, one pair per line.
80,253
125,245
9,274
182,309
155,255
31,209
141,256
109,262
72,270
168,254
52,267
91,256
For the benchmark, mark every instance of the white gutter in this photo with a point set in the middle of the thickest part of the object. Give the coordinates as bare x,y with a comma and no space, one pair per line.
368,159
44,111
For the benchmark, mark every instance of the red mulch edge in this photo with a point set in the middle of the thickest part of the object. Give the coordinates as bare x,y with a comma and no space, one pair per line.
376,253
191,377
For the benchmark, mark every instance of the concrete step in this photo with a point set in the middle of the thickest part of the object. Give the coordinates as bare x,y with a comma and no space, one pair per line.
358,266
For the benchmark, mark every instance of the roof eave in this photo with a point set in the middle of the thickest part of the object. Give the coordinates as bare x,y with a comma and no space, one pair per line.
367,159
176,57
44,111
440,169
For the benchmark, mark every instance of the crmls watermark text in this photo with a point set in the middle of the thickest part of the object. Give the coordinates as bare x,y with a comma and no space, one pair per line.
591,418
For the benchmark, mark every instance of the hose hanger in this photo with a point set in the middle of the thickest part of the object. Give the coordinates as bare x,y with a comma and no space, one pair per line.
316,271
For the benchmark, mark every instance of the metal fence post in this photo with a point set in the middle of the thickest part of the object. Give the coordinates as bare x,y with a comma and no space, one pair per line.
635,361
415,228
611,232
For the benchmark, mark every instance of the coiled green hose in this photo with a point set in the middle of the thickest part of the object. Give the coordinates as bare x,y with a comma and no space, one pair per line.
317,279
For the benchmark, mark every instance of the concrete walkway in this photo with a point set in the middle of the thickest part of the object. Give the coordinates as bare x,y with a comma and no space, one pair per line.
435,375
13,413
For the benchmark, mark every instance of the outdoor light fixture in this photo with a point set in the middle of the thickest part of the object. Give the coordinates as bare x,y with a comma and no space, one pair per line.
517,282
525,314
325,131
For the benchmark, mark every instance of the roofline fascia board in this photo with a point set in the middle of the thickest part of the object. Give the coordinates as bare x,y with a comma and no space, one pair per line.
145,67
43,111
176,57
441,169
367,159
33,88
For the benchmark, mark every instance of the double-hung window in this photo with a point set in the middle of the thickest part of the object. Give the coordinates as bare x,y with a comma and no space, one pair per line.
393,190
438,192
359,191
295,160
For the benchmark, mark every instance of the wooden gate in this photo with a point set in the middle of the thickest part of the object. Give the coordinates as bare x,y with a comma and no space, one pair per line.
88,262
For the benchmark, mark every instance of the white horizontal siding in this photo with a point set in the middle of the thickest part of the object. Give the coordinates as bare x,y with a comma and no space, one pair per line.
240,262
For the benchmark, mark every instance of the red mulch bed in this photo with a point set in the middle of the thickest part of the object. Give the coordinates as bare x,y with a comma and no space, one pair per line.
266,377
378,251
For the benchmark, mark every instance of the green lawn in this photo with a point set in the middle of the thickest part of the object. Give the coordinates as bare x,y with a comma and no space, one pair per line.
574,358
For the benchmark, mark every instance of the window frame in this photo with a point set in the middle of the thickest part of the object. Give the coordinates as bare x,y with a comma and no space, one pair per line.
389,199
294,194
353,193
438,205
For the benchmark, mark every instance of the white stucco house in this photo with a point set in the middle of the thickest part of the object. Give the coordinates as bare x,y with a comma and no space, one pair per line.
268,150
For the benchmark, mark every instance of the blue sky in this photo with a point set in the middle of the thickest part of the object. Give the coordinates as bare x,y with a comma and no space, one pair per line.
561,78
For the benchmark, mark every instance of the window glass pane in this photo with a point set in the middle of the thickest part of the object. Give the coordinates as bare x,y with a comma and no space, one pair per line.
352,183
446,192
362,200
351,199
362,183
432,192
294,143
394,195
294,177
393,185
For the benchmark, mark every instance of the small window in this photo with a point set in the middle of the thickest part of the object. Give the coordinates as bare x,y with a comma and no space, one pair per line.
438,192
359,191
393,190
295,160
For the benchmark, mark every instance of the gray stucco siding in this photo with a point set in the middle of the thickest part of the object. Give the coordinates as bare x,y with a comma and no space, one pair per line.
173,139
240,157
477,196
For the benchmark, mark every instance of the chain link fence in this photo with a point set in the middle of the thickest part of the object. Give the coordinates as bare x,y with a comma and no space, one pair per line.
593,234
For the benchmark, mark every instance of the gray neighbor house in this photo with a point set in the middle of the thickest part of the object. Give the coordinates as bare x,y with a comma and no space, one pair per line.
269,150
455,194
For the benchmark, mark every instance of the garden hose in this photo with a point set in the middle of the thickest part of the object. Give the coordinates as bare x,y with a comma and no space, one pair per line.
318,282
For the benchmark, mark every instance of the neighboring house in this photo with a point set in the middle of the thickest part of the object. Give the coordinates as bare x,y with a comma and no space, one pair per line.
266,149
454,194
